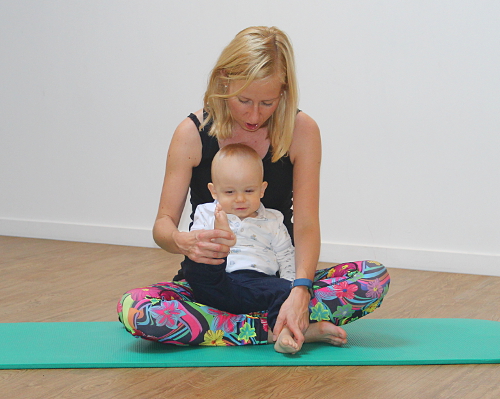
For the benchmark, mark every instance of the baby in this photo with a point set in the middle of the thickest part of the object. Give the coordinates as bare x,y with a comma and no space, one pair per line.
262,246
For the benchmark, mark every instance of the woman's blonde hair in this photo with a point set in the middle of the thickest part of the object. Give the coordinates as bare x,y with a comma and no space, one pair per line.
255,53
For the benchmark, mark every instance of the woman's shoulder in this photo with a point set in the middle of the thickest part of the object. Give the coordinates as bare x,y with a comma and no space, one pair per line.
189,124
305,123
186,141
306,136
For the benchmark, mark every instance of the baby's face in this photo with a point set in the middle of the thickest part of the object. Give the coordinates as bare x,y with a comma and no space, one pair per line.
238,186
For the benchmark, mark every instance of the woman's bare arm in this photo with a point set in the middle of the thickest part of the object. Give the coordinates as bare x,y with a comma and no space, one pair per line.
184,153
305,154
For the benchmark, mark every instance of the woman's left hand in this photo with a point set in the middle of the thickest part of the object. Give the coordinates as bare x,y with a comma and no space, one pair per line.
294,313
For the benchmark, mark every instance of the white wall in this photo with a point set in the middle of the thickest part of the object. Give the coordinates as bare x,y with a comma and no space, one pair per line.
406,95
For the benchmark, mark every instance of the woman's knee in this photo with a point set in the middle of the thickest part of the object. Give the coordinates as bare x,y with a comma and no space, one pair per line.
376,267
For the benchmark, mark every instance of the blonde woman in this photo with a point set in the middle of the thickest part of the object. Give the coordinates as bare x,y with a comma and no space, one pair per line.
252,98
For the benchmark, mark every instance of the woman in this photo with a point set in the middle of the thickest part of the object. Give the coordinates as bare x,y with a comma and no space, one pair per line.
252,98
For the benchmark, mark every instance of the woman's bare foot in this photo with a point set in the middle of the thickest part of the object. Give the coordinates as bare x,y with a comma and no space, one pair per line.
285,342
324,331
221,223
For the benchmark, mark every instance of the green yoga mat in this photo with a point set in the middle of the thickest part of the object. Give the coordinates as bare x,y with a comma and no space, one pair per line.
371,342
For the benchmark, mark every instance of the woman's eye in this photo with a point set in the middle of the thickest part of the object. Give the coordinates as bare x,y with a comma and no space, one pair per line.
267,104
244,101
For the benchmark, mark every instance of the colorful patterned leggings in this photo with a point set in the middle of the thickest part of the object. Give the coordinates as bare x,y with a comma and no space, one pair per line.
165,312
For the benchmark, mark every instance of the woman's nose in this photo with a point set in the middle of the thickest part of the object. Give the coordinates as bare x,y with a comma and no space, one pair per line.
254,115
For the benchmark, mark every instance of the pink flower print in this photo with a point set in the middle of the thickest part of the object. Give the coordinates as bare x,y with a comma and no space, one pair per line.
225,321
326,293
374,289
344,290
169,295
341,270
167,314
139,294
178,291
265,325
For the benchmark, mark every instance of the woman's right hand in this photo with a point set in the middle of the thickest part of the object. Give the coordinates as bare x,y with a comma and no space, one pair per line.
204,246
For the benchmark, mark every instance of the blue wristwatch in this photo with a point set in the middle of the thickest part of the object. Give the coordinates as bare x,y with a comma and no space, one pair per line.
304,282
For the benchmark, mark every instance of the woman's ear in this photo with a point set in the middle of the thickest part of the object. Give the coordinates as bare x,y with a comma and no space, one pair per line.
211,187
263,188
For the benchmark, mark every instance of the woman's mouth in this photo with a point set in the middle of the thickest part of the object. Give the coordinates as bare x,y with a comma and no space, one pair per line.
251,126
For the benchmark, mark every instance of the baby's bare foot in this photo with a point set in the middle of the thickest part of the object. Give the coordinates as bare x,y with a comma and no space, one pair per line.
285,343
324,331
221,223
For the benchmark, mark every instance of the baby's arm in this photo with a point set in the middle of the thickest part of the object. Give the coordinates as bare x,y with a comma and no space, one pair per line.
203,218
285,252
286,262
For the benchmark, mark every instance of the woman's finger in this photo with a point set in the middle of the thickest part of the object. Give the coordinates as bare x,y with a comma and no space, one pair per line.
211,235
277,328
213,249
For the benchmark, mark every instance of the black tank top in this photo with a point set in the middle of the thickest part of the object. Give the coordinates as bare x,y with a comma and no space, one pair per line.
279,176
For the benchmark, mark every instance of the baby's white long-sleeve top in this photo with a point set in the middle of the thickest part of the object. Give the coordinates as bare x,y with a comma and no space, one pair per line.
262,242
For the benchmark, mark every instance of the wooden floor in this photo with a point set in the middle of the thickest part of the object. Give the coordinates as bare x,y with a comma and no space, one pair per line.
43,280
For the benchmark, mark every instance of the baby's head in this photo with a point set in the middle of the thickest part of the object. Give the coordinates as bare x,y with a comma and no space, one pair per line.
237,180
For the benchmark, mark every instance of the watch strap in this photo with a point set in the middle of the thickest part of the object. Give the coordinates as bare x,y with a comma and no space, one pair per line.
304,282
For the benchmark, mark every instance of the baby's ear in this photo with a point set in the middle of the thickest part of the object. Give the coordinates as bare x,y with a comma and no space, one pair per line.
211,187
263,188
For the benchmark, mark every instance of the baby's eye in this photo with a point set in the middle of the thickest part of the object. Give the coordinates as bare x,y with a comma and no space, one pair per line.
250,190
229,192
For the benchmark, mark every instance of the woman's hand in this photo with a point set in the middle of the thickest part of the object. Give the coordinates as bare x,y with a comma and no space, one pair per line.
294,313
204,246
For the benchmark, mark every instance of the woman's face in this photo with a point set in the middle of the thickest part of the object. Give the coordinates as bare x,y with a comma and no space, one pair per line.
252,107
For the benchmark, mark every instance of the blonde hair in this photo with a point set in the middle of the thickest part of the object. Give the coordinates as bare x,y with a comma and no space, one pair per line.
255,53
240,151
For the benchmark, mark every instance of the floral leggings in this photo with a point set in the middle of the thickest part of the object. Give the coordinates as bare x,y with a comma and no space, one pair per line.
166,312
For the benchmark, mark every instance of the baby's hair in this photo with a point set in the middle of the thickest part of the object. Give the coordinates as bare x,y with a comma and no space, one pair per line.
240,151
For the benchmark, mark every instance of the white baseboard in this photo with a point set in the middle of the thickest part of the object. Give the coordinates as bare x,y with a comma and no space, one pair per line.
78,232
416,259
439,261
